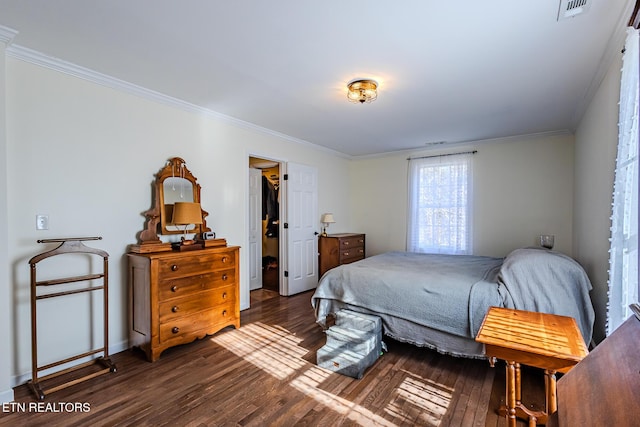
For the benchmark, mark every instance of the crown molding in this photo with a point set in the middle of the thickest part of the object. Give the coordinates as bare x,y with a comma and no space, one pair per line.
7,34
471,143
69,68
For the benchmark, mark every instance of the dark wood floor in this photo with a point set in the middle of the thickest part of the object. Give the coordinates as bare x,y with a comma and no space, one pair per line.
264,374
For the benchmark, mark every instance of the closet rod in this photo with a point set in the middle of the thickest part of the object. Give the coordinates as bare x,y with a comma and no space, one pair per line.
443,155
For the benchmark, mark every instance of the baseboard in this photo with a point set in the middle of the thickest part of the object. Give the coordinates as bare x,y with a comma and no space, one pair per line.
6,396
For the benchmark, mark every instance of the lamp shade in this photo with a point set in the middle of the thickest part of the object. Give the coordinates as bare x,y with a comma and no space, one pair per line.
327,218
185,213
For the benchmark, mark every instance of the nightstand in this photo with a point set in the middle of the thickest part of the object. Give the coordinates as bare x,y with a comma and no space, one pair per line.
338,249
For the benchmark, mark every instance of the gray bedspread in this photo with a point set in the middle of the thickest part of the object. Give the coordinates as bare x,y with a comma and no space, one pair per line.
548,282
452,293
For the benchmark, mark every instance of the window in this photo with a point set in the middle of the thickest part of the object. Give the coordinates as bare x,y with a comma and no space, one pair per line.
623,258
439,213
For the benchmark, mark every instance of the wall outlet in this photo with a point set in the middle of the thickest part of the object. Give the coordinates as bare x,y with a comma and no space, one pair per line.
42,222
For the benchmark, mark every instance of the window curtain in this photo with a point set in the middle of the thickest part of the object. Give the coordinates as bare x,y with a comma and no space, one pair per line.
439,211
623,258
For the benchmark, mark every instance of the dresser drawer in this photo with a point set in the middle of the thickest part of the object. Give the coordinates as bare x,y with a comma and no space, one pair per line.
177,287
201,323
352,242
185,266
351,255
201,301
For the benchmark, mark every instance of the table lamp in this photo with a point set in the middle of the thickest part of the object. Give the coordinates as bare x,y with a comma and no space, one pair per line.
326,219
186,214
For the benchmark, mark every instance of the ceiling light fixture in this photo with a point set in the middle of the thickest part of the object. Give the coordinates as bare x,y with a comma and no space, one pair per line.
362,91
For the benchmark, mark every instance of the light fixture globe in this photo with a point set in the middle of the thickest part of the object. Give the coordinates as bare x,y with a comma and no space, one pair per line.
362,90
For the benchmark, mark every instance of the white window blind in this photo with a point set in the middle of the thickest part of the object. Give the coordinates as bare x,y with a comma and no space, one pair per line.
439,211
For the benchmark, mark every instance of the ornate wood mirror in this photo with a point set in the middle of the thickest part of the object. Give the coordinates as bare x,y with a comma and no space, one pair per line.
174,183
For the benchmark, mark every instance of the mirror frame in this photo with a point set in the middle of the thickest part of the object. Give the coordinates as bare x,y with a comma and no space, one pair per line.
156,217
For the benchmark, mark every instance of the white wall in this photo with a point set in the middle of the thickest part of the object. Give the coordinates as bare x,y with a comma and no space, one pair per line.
86,156
6,336
523,188
596,145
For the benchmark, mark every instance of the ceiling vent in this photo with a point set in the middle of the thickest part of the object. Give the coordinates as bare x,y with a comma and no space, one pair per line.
571,8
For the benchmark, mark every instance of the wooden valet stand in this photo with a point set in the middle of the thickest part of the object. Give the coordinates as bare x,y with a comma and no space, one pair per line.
68,246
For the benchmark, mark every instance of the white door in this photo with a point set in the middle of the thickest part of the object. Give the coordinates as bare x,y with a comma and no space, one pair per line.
255,228
301,229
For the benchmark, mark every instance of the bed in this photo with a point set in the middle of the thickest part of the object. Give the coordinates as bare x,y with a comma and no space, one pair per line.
439,301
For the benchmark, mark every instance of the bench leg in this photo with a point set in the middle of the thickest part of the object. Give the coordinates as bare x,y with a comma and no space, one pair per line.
512,393
514,408
551,405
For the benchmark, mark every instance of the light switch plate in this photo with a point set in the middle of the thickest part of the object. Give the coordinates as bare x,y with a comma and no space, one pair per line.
42,222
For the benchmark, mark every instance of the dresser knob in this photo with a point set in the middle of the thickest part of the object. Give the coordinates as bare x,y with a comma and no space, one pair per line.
346,243
225,259
174,267
224,295
224,277
174,288
224,313
174,308
175,329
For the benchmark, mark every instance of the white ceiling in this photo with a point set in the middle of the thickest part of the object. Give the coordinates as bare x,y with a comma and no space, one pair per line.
448,71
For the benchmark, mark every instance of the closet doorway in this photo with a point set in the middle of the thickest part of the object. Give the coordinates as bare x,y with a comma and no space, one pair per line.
264,224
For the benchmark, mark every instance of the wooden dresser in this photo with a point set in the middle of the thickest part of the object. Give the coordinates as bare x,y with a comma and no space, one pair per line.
338,249
176,297
604,388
